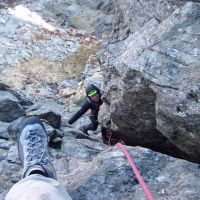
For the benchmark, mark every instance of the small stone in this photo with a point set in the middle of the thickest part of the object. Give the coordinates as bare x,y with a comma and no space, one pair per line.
20,31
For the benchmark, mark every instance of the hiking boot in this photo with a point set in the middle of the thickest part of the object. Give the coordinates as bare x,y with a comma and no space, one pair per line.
33,149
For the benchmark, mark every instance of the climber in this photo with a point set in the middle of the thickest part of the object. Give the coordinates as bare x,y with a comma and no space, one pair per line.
93,101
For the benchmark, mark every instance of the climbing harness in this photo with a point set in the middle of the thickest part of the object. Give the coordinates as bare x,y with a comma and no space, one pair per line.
133,166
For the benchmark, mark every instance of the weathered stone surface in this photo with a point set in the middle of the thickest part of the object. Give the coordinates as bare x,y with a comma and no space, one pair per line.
10,109
152,84
126,17
79,148
3,86
3,154
13,155
14,128
52,118
35,57
71,131
5,144
4,133
111,177
49,129
23,101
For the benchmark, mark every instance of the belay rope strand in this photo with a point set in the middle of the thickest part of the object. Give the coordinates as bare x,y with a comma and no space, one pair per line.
133,166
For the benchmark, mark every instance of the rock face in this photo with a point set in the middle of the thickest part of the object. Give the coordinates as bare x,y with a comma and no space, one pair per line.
152,84
91,170
151,95
122,18
112,178
10,109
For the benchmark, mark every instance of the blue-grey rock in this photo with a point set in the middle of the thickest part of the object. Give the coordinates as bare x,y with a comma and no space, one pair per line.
53,118
5,144
152,83
13,155
10,109
3,154
4,130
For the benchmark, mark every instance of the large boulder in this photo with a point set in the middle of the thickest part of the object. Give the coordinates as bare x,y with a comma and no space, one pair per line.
109,176
53,118
152,85
10,109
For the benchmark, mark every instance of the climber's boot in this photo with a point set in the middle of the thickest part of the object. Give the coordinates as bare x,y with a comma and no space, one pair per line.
33,149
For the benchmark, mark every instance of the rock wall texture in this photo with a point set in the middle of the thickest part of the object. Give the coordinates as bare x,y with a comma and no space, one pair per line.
143,67
122,18
152,82
89,169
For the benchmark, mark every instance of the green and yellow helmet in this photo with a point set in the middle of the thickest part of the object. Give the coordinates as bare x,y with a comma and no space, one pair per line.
91,90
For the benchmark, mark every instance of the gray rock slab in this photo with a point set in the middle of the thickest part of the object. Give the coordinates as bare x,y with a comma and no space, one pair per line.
13,155
79,148
152,83
110,176
3,154
10,109
51,117
5,144
4,130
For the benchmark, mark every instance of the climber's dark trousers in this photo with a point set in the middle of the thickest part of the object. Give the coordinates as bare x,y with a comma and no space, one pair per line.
93,125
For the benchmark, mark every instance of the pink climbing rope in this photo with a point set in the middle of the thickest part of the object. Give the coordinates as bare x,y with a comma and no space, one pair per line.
135,170
133,166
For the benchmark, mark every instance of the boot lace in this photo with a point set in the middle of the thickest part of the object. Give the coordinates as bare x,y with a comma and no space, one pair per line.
35,148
